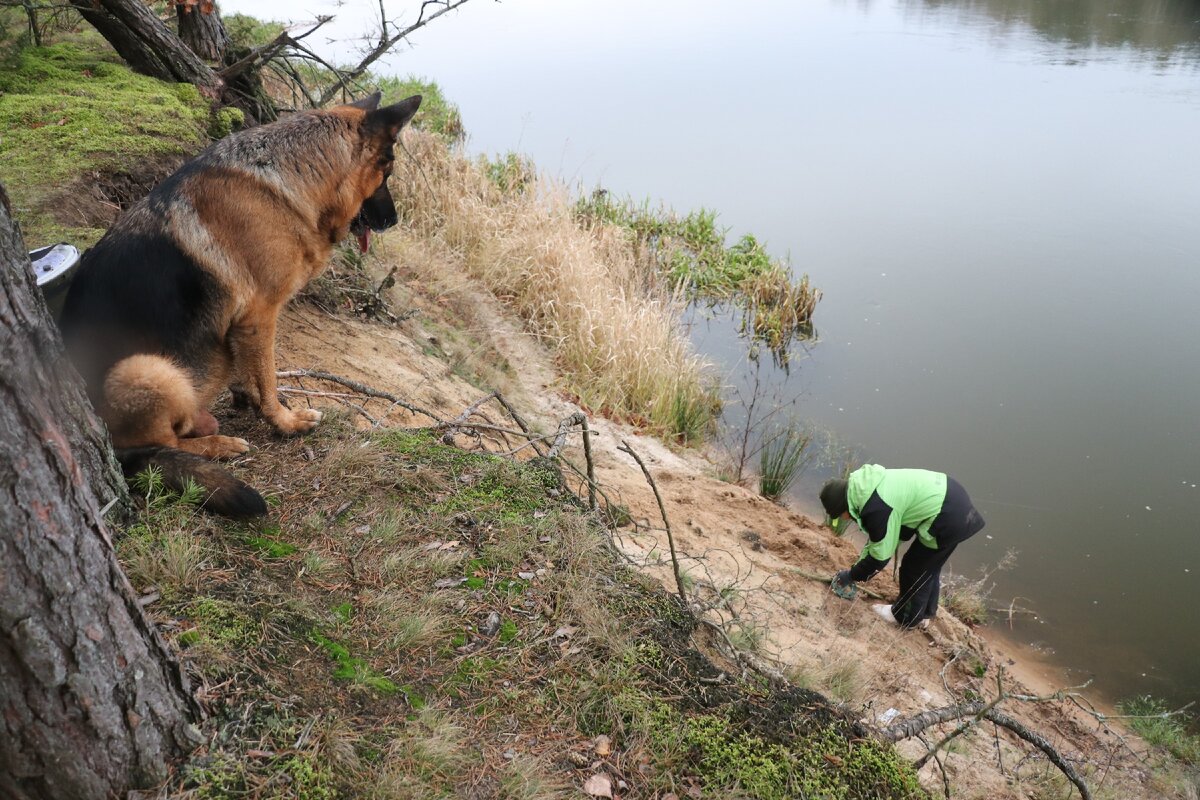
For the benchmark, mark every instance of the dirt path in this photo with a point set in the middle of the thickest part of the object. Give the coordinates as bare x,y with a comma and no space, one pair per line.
740,551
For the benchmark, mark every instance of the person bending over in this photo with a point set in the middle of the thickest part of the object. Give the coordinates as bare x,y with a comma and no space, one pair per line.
892,506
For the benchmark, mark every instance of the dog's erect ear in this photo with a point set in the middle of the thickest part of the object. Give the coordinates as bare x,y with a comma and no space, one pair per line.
368,103
390,119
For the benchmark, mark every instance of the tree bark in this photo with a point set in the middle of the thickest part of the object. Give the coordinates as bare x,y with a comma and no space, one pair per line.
91,701
147,45
201,29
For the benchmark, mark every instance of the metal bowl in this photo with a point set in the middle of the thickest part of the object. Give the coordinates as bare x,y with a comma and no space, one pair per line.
54,267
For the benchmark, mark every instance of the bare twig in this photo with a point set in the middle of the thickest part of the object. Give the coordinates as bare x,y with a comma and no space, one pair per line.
625,448
386,43
268,51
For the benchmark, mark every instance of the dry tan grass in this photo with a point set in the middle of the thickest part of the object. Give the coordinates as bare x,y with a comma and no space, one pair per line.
612,325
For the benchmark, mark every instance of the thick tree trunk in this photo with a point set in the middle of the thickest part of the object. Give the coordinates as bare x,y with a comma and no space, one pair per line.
147,45
91,701
201,29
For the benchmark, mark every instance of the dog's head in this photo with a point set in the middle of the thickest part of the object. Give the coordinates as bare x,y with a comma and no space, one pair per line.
379,129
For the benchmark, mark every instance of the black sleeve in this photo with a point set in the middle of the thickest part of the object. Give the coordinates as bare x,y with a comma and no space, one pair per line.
874,516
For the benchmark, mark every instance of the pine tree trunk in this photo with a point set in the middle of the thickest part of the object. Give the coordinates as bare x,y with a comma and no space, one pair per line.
147,45
201,29
91,701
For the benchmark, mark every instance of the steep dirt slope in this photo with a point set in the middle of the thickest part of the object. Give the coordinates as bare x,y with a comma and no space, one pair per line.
761,567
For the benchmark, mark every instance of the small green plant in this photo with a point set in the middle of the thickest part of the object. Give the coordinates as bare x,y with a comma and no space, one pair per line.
783,459
150,485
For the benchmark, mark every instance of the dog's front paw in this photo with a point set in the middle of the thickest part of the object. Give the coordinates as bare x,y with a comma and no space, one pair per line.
215,446
290,422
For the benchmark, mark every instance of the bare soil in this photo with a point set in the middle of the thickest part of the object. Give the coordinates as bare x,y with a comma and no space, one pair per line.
765,566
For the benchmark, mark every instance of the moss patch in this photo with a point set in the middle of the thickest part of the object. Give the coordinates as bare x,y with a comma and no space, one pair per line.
80,130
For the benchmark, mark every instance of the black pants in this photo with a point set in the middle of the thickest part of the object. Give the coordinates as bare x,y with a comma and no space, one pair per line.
921,568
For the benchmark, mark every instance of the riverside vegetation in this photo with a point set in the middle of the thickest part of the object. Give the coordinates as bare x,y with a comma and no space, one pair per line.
416,620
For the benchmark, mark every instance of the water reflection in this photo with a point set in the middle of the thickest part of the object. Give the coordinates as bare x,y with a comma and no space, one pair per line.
1163,32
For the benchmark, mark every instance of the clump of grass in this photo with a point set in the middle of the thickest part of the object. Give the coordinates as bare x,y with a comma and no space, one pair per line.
1151,719
161,548
843,678
968,603
782,459
613,326
969,599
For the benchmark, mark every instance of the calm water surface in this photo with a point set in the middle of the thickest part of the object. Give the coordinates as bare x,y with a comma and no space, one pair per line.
1000,200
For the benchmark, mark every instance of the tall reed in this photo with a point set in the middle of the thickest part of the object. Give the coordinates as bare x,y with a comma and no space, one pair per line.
783,459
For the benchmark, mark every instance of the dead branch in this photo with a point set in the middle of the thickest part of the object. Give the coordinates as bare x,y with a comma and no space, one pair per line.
591,469
512,412
261,55
560,436
386,42
913,725
965,726
662,509
361,388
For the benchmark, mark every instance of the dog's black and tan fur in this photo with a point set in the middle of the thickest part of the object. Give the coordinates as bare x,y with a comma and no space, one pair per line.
181,296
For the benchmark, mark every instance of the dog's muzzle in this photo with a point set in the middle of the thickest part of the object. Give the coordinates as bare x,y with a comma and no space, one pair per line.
378,213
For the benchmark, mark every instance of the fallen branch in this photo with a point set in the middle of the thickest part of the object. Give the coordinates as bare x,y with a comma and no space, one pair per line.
965,726
913,725
361,388
560,436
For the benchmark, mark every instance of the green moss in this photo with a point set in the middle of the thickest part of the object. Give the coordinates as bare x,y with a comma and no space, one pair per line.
70,110
724,756
309,781
298,776
350,668
224,624
225,122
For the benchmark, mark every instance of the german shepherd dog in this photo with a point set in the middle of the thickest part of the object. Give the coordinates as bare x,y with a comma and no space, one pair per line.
180,298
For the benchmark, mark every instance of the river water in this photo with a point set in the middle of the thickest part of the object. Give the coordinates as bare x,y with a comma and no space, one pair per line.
1001,202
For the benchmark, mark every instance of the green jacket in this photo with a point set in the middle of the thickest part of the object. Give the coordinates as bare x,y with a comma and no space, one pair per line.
915,496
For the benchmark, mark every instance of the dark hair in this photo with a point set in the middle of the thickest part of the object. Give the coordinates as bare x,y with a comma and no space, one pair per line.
833,497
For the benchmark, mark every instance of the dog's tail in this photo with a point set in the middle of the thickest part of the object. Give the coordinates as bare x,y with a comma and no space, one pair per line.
223,493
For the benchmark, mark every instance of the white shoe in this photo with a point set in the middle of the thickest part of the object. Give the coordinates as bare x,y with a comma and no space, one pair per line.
885,612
